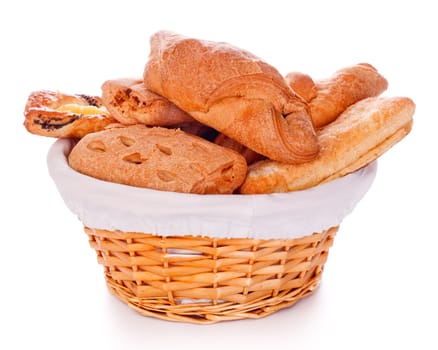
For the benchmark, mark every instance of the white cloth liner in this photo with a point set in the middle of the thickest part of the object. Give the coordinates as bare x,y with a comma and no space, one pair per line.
110,206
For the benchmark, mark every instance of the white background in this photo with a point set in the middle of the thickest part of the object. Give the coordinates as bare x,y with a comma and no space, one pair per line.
379,285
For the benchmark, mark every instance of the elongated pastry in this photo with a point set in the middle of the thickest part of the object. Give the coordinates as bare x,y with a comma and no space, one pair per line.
361,134
302,84
159,158
328,98
234,92
130,103
333,92
56,114
305,87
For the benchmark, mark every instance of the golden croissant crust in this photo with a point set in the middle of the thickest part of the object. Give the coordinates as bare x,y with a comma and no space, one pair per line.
234,92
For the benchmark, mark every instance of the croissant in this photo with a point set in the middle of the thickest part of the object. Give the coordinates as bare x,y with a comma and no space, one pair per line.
234,92
302,84
328,98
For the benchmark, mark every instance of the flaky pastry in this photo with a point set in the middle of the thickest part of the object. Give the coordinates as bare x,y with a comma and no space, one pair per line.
234,92
302,84
130,103
362,133
328,98
56,114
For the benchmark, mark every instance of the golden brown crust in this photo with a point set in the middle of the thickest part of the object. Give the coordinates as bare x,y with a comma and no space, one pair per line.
234,92
361,134
130,102
56,114
159,158
344,88
374,153
302,84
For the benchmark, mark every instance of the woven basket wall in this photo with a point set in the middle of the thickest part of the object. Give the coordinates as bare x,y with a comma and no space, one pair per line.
207,280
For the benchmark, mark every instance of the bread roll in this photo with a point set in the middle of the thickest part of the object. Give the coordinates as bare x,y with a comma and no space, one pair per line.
159,158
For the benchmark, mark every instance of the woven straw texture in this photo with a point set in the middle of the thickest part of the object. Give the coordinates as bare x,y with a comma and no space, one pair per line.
207,280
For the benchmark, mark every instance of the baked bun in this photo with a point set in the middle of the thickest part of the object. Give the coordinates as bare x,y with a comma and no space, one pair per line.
234,92
160,159
130,103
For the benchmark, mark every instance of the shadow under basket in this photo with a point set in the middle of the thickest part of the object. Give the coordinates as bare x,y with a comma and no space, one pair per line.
207,280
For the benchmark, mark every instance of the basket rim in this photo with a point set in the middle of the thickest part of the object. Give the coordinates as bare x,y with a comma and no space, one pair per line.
105,205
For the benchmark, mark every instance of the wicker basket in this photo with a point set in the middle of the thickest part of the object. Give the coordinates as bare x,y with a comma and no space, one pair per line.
193,276
205,280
